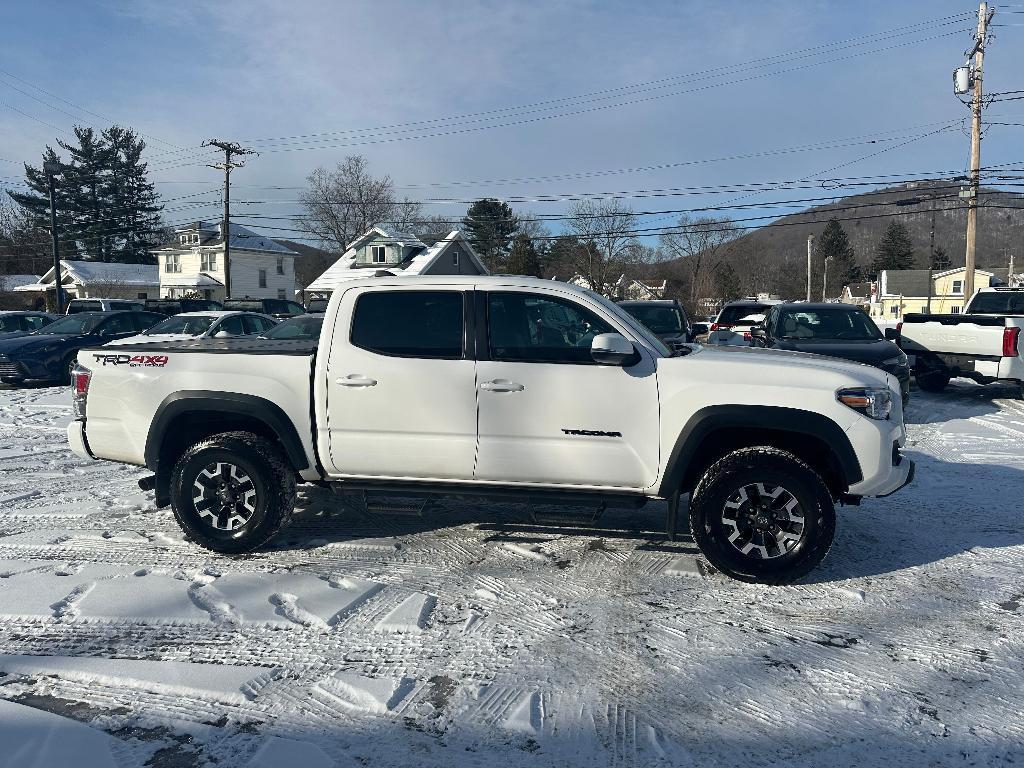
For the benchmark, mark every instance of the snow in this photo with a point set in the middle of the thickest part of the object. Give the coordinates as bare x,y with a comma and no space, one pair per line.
476,636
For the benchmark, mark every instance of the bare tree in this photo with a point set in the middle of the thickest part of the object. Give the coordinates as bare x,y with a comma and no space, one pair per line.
699,246
604,229
343,203
24,247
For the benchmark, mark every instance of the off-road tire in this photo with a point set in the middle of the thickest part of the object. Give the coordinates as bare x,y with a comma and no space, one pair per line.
932,381
258,459
777,468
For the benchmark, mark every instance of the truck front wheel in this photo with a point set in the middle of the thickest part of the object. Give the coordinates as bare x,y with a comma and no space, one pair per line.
762,515
232,492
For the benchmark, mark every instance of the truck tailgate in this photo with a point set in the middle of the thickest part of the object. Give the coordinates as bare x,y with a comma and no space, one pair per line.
974,335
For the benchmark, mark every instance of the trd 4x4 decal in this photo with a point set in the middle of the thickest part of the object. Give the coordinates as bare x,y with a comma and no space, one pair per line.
133,361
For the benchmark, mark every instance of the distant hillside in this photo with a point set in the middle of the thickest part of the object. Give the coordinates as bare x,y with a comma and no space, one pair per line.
774,258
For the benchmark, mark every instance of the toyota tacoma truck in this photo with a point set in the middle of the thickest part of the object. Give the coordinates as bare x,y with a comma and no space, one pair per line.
513,387
984,343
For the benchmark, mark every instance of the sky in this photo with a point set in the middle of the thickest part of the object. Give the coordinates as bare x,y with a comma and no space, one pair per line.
453,100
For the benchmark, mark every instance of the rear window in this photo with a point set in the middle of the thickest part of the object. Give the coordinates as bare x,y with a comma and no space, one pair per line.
409,323
998,303
733,314
77,306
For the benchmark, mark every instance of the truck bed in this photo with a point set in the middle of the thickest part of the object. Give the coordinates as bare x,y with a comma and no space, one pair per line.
245,345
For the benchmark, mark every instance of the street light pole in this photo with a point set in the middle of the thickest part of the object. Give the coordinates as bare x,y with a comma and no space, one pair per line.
53,169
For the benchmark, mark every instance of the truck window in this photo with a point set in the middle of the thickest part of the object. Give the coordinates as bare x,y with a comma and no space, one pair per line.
426,324
998,303
526,327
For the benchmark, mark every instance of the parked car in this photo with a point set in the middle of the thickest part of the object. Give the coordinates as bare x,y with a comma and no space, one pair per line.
317,305
47,355
732,326
103,305
985,343
279,308
18,323
200,325
835,330
301,327
665,318
700,332
498,385
177,306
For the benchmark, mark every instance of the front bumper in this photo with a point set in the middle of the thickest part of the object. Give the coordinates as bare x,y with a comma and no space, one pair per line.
877,444
911,471
77,440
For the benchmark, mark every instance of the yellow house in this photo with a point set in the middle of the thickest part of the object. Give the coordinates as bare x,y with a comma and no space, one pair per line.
898,292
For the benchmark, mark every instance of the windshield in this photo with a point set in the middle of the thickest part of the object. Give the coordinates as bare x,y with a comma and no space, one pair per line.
660,319
191,325
834,324
71,325
631,322
296,328
998,303
734,313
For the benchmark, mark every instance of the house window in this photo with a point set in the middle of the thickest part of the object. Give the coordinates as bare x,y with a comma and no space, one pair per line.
172,263
143,296
208,262
958,287
924,310
263,278
280,293
183,239
894,309
378,254
280,265
195,239
455,258
954,310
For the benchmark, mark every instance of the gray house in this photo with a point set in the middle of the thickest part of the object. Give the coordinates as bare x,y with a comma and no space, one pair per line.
404,254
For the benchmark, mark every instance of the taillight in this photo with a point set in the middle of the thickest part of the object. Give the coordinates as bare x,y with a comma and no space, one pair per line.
720,326
79,389
1010,338
747,336
899,327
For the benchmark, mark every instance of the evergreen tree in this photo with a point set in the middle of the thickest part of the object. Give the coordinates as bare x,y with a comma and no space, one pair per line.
834,246
895,250
940,259
490,225
107,209
523,259
727,282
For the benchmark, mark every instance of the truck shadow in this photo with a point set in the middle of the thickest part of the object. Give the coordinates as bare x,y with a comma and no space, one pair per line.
962,399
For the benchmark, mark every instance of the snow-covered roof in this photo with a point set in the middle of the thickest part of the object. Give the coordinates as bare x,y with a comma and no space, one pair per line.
202,280
97,273
346,268
405,239
241,238
12,282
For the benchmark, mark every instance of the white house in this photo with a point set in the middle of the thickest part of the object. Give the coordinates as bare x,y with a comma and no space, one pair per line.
192,264
626,288
97,279
404,254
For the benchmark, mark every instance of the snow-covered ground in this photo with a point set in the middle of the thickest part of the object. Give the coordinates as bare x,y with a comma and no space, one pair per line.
475,637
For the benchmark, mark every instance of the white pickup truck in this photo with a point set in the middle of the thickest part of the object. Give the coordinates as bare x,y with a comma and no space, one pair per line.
529,389
985,343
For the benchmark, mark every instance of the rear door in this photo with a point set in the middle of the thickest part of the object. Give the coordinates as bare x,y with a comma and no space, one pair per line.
548,413
401,387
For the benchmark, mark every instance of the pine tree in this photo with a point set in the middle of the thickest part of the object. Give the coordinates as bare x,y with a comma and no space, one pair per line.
490,225
107,210
940,259
895,250
523,259
834,246
727,282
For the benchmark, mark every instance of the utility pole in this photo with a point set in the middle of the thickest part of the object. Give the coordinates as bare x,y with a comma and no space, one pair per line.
824,278
931,261
53,169
984,16
230,148
1009,273
810,252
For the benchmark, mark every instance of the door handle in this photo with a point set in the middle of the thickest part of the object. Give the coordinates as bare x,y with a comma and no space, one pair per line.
355,380
502,385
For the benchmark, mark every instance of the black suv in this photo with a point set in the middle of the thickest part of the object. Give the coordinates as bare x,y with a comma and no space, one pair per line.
666,318
177,306
276,307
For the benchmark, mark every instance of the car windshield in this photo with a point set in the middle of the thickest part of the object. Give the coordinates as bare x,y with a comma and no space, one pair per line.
191,325
660,319
998,303
296,328
833,324
628,320
732,314
71,325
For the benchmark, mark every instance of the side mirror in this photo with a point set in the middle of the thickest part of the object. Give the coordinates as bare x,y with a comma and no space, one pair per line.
892,334
758,332
613,349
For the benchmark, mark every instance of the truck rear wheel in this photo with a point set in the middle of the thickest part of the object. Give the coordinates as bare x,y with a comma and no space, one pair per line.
232,492
932,381
762,515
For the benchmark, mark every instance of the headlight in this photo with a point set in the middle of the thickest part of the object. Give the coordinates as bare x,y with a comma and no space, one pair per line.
873,403
900,359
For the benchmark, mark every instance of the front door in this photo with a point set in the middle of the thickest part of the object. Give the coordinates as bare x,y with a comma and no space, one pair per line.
548,413
401,399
